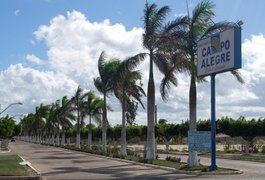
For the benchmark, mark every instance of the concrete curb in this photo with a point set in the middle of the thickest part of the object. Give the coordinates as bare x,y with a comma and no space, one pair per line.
29,165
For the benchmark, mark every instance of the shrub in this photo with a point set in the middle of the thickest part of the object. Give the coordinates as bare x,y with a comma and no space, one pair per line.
173,159
263,149
255,149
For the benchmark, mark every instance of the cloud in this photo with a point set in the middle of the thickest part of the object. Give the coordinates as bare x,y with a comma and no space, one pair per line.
32,87
16,12
74,44
180,14
34,59
253,52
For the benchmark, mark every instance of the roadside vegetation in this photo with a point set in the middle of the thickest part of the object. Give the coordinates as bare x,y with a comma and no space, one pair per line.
9,166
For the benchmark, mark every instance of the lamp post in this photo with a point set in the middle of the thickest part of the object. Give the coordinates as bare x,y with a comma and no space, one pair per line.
17,103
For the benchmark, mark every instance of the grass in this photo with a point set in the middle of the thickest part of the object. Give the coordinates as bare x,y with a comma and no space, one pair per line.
9,166
243,157
178,165
254,157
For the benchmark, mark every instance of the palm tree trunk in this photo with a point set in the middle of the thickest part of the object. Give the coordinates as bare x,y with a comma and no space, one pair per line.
63,137
150,144
58,137
104,126
77,143
89,138
53,136
123,151
193,159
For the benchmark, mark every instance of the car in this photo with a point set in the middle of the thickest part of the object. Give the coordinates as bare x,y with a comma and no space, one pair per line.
13,139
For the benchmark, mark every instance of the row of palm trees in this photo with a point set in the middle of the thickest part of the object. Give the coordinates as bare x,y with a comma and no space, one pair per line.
172,47
116,77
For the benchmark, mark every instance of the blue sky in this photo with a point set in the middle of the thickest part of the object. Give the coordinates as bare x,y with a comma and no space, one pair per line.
49,47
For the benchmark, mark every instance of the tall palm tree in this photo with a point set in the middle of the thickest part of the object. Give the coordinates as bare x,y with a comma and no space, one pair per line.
66,116
78,100
109,71
102,83
184,42
27,126
50,125
126,89
41,113
153,38
93,108
129,90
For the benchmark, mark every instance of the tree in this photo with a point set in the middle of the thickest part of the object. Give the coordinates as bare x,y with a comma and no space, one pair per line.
41,114
51,125
102,83
153,39
93,108
126,89
66,116
185,39
26,125
78,101
7,127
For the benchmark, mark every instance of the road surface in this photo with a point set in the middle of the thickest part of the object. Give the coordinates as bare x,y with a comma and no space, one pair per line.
57,163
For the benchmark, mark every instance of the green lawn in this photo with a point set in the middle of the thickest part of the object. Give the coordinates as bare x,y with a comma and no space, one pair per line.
9,166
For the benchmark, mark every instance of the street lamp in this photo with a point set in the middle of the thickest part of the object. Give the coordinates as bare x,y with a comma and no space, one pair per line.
19,103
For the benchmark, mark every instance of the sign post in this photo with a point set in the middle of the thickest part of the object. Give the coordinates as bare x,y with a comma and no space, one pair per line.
213,125
217,54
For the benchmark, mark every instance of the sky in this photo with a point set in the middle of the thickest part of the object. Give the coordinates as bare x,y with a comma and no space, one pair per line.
50,47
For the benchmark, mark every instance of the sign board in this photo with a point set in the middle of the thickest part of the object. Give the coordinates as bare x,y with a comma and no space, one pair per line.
199,141
220,52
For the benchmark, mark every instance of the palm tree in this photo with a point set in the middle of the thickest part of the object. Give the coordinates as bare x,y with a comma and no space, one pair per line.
153,39
93,108
102,83
65,116
26,125
126,89
185,39
41,113
78,100
52,122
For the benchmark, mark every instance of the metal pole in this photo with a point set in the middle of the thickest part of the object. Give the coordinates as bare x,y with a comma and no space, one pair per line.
19,103
213,124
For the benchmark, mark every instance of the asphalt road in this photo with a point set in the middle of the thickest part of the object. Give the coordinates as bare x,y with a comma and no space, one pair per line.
56,163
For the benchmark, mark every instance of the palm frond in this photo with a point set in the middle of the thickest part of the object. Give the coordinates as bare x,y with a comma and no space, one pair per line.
218,27
98,84
238,76
201,19
162,63
101,62
168,79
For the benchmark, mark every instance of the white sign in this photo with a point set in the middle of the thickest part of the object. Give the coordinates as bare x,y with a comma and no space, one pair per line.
199,141
219,53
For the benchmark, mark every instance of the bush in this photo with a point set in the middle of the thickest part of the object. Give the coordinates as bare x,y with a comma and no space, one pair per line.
263,149
173,159
255,149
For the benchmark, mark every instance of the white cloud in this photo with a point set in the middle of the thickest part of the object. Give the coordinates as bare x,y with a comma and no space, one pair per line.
32,87
34,59
17,12
253,53
180,14
74,44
